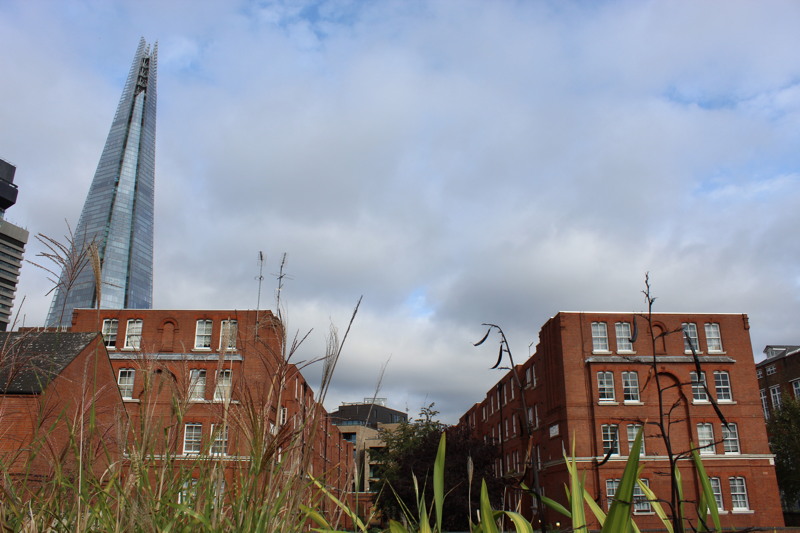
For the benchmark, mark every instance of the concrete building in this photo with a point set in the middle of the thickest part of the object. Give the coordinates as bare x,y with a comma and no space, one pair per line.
594,380
361,424
118,213
12,245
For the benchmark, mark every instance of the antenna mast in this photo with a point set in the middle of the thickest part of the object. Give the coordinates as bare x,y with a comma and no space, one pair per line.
260,278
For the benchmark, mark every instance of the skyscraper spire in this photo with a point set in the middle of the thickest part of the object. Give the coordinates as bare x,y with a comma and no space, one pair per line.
118,213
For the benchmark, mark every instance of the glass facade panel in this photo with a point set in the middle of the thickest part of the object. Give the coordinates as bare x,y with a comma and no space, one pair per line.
118,213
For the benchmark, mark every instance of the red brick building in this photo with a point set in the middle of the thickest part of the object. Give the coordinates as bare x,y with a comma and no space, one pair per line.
53,386
592,381
778,376
215,385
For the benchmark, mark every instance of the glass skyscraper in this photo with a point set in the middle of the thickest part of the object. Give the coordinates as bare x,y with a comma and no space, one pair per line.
118,213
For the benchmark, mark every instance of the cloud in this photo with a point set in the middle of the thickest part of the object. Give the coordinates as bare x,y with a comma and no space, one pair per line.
453,163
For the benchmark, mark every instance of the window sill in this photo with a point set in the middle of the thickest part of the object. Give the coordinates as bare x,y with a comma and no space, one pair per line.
643,513
201,349
129,349
602,352
701,402
626,352
689,352
607,402
634,402
742,511
131,400
726,402
720,352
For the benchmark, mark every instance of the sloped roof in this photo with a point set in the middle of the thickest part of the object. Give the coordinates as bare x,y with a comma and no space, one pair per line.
29,361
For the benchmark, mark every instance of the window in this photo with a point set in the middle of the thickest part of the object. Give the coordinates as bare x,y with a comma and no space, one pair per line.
775,394
690,337
739,494
713,339
605,386
632,430
796,388
599,337
125,382
705,439
227,335
223,390
630,386
188,492
624,343
133,334
699,393
530,376
202,335
716,488
759,373
730,438
611,490
771,370
764,404
282,416
197,384
219,446
610,439
641,505
110,326
192,438
722,382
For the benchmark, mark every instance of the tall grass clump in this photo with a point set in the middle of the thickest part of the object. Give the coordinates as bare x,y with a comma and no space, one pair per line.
77,472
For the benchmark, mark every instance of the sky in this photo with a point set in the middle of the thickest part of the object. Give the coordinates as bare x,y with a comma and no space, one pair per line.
454,162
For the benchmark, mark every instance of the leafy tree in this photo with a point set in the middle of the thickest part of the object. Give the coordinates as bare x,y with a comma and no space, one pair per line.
410,452
784,440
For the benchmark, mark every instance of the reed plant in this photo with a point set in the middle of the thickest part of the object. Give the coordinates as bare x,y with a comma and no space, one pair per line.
77,473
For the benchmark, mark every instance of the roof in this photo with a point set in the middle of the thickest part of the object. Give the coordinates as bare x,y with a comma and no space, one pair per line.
777,351
29,361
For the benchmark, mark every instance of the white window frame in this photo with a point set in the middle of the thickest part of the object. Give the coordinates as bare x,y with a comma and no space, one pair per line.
610,435
776,395
739,494
690,332
623,331
229,330
605,387
632,429
730,439
283,415
133,333
192,438
110,330
705,439
796,388
202,334
722,385
713,338
219,443
716,488
759,373
125,381
630,387
764,403
771,370
641,505
699,393
599,337
197,384
612,486
223,386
